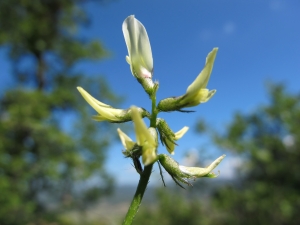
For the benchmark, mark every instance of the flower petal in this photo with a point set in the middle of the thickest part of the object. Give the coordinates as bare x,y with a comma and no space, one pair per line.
104,110
144,48
126,141
209,96
170,145
203,78
144,138
200,172
181,132
130,35
99,118
141,131
138,46
128,60
149,155
90,99
128,31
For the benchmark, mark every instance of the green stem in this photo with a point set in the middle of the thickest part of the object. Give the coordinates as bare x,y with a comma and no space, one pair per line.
138,196
154,111
145,176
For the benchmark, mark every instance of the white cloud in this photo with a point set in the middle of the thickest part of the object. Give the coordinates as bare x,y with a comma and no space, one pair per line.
229,28
276,5
191,158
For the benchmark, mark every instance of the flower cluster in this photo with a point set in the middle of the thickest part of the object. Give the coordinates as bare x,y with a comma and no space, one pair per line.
141,65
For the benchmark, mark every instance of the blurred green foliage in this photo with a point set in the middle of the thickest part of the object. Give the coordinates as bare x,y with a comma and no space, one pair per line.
51,153
267,141
171,208
266,187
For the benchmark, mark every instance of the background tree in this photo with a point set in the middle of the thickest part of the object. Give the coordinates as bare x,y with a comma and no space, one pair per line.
267,187
172,208
49,147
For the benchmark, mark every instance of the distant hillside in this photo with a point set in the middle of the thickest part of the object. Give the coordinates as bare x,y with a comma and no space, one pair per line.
111,209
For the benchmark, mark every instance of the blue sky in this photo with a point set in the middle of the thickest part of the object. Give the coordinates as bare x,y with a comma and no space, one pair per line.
258,41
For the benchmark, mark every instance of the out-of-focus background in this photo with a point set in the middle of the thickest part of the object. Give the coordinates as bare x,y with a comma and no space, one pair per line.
59,167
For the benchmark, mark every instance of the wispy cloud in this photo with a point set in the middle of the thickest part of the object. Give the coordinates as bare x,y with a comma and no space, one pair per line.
229,28
276,5
228,166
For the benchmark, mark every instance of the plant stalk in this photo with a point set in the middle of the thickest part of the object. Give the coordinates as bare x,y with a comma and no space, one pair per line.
145,176
138,196
154,111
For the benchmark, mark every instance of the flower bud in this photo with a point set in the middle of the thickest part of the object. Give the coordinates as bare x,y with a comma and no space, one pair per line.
184,174
196,93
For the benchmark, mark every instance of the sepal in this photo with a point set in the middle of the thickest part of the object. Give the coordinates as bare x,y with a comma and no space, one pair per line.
167,136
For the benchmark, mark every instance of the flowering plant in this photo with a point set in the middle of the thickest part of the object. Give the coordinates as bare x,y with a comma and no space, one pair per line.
141,65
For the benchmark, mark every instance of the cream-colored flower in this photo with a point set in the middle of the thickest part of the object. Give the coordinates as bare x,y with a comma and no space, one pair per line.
201,172
108,113
139,50
144,138
183,174
196,93
105,111
132,150
126,141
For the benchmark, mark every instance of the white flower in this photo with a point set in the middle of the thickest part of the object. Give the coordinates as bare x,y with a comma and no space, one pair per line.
139,49
144,139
